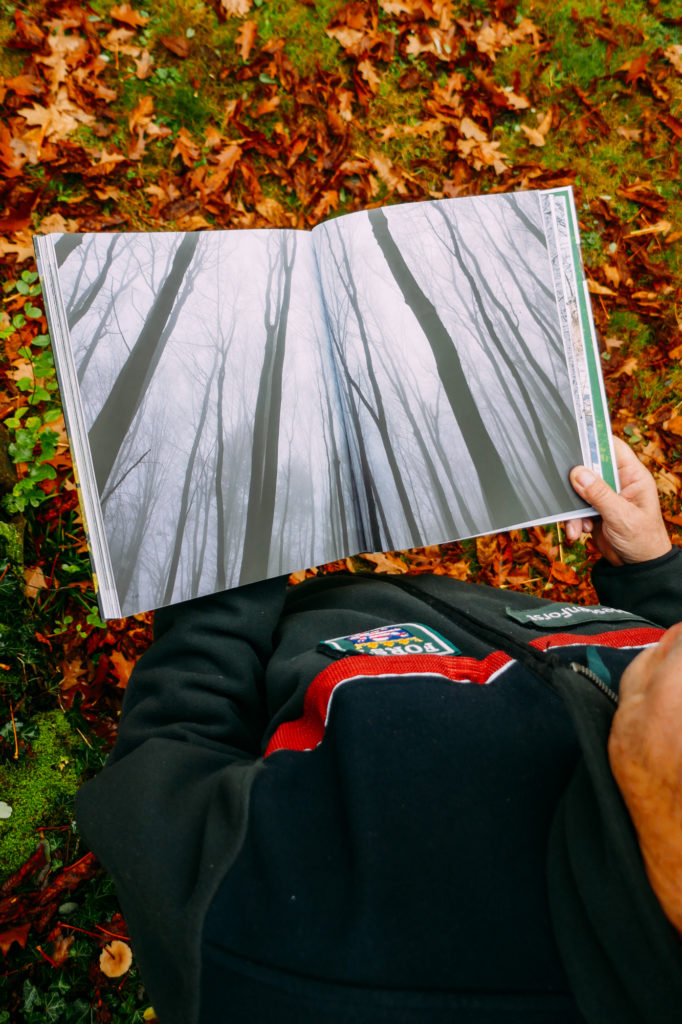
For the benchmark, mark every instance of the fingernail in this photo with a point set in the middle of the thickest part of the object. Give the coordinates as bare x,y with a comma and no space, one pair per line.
584,477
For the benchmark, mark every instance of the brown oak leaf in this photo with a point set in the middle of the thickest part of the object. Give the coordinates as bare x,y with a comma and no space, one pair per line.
126,14
246,37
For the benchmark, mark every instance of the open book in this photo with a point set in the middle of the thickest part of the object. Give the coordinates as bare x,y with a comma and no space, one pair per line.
243,404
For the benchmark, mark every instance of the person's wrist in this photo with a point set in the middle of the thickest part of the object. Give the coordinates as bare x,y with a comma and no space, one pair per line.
639,541
652,549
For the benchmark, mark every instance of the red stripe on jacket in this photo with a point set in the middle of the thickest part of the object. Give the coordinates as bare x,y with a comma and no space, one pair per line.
641,636
306,732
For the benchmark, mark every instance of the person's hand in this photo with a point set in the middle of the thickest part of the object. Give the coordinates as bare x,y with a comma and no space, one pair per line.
630,527
645,752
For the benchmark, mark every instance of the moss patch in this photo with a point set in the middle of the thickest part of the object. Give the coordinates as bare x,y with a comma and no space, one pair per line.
39,786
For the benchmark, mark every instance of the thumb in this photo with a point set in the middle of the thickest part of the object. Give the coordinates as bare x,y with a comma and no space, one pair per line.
595,490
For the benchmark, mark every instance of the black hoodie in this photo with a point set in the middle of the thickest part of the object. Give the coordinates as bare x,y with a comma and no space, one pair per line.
305,825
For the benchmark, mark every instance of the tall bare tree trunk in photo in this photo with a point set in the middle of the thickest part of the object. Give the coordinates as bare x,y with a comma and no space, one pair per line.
118,412
78,311
336,467
221,574
496,487
380,413
371,532
536,434
263,481
185,494
440,500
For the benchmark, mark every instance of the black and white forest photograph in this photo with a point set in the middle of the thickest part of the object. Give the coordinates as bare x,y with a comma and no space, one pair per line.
260,401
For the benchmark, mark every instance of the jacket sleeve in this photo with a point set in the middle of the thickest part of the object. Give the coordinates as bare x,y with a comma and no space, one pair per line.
201,681
167,814
652,590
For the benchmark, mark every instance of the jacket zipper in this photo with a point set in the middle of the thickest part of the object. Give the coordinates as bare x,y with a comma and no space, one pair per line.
543,666
595,680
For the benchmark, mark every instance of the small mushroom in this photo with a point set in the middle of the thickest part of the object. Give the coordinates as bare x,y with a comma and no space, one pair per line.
116,959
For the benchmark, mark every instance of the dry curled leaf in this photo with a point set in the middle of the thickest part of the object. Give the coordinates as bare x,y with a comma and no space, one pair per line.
674,425
667,483
126,14
234,8
179,45
385,562
246,37
18,934
674,55
34,581
538,136
598,289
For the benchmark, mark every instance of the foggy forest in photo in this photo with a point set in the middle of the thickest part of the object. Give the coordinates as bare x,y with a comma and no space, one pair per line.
260,401
445,332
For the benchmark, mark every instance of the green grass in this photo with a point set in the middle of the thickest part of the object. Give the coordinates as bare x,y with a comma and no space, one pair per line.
302,27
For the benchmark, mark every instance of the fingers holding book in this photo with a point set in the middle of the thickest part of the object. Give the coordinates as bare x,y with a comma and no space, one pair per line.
630,526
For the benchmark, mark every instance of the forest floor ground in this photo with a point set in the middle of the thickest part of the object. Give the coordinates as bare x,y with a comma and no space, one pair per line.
267,113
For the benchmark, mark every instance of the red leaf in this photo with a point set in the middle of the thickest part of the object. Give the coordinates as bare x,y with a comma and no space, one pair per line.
18,934
35,862
29,36
636,68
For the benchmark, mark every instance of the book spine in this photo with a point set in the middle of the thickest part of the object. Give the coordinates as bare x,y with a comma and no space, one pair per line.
58,327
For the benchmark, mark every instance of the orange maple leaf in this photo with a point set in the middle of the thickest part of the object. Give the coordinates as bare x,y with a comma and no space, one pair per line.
564,573
141,115
674,425
544,544
122,667
186,148
634,69
388,562
392,177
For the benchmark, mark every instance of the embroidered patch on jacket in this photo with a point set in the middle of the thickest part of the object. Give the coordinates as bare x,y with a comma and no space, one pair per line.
555,615
403,638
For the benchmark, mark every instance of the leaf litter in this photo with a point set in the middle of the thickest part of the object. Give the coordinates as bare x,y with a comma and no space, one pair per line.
213,117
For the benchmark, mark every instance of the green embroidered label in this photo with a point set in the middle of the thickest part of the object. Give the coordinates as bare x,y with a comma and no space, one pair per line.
403,638
555,615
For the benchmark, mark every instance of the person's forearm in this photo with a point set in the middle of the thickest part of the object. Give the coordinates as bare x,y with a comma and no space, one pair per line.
645,753
659,831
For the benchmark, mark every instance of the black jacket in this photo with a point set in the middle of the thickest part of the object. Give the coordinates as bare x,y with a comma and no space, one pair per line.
304,834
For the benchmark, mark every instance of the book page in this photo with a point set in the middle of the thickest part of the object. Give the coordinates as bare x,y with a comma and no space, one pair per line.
446,326
205,391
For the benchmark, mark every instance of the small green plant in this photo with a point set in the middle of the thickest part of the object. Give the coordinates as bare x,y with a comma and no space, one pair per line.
32,443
